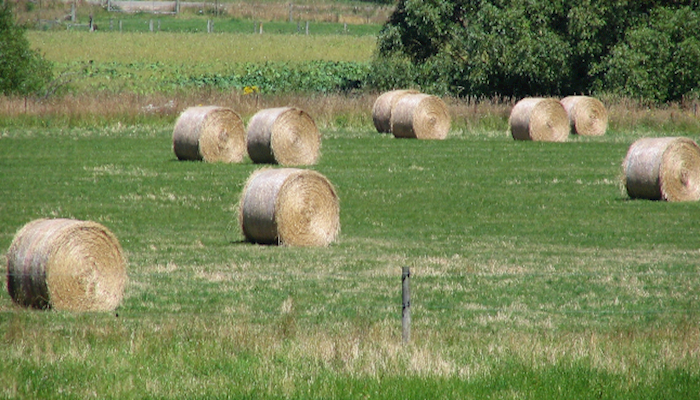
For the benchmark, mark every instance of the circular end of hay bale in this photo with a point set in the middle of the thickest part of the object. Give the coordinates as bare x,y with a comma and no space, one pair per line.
420,116
289,206
381,110
285,136
663,169
587,115
209,133
539,119
67,265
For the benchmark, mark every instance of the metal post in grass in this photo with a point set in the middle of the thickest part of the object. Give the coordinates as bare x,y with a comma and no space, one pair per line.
307,27
406,305
150,25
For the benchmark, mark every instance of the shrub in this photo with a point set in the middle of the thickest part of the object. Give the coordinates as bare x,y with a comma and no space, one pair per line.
22,70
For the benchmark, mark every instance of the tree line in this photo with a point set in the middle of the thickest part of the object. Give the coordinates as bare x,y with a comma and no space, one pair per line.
639,48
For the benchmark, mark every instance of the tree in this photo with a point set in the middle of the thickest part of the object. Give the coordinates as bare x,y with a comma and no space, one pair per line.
22,70
525,47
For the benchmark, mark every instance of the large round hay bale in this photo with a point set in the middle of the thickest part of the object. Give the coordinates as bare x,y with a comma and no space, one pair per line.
663,169
285,136
587,115
289,206
420,116
66,264
539,119
209,133
381,110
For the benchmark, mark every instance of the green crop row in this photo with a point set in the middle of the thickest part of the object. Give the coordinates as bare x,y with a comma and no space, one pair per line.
268,77
276,77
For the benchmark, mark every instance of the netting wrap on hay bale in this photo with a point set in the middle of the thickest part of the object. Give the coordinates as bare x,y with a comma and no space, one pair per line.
420,116
587,115
663,169
285,136
539,119
209,133
66,264
289,206
381,110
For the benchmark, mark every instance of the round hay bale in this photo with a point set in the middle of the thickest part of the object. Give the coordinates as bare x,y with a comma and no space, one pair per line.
289,206
381,110
420,116
587,115
539,119
209,133
66,264
663,169
285,136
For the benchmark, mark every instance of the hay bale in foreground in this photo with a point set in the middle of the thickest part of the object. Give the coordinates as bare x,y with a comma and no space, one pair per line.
539,119
67,265
289,206
663,169
420,116
209,133
587,115
285,136
381,110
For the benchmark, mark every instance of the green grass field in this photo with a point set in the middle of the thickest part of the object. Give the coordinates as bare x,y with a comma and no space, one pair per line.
534,276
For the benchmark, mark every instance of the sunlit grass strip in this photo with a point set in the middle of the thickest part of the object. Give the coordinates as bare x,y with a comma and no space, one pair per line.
219,49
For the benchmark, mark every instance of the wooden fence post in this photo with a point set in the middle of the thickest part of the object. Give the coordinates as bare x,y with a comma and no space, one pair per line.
406,305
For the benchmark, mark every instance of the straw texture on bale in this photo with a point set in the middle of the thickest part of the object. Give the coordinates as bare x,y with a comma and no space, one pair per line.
381,110
66,264
587,115
209,133
285,136
289,206
663,169
420,116
539,119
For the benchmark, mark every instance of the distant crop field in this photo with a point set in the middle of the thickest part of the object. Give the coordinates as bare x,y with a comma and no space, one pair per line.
162,62
192,49
533,274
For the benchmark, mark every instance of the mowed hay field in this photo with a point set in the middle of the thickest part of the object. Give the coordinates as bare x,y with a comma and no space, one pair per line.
533,273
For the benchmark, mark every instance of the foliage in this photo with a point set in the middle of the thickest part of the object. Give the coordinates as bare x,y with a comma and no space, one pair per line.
22,70
659,59
537,47
280,77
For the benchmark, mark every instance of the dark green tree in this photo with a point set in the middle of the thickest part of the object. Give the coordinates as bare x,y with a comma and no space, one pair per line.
22,70
523,47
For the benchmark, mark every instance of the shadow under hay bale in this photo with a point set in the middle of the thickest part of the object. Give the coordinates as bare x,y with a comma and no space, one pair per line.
285,136
587,115
67,265
420,116
663,169
209,133
539,119
289,206
381,110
